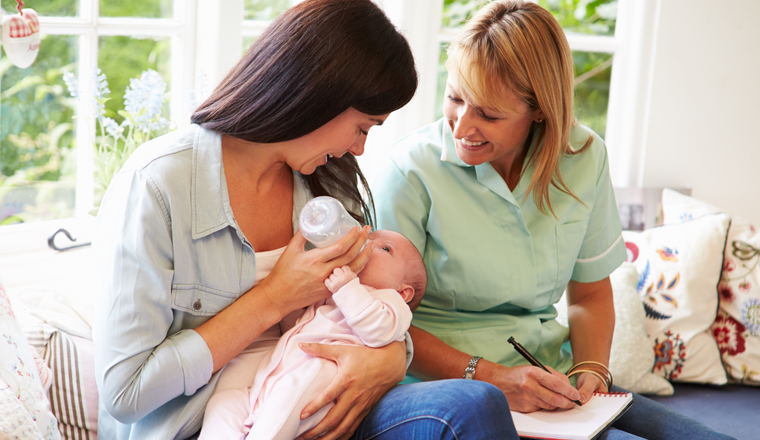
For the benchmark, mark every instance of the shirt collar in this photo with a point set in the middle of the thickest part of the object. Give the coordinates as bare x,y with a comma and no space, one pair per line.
486,174
211,208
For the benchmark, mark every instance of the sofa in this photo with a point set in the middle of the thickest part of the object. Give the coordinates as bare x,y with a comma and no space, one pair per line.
687,325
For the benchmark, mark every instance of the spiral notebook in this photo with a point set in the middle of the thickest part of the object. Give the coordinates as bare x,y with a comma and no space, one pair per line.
580,423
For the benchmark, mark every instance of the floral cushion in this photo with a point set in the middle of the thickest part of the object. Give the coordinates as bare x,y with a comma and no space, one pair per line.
18,370
737,327
679,268
631,356
15,421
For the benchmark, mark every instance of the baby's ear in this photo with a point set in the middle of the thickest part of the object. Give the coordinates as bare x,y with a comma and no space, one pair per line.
407,292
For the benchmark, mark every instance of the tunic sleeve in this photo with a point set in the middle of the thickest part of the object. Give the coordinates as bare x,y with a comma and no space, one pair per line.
603,248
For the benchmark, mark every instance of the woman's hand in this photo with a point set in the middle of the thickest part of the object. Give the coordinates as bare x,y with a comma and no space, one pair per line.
529,388
588,384
364,375
298,277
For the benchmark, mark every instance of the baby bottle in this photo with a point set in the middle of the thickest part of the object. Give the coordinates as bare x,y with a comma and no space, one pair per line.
324,221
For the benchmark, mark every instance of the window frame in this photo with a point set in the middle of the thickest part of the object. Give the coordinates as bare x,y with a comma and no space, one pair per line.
633,48
182,30
203,50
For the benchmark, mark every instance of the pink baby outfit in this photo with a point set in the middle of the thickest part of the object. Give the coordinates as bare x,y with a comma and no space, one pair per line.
288,379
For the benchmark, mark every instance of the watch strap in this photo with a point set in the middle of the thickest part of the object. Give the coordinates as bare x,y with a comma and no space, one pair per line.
469,372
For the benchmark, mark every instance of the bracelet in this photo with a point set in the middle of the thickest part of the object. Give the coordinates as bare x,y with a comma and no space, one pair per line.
606,370
469,372
606,383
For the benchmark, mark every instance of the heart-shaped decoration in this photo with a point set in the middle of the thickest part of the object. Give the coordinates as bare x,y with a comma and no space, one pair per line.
21,37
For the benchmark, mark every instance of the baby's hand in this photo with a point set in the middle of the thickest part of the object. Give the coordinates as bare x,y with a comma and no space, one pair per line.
339,278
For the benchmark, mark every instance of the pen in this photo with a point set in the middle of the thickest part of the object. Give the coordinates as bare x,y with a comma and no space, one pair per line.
533,361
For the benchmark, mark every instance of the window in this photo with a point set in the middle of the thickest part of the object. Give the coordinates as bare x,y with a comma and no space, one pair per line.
46,135
257,14
590,28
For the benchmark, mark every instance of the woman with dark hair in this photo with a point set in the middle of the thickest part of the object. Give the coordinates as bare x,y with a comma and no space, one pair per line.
203,259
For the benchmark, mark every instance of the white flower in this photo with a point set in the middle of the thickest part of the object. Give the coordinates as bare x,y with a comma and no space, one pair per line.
101,83
146,92
112,127
71,83
101,92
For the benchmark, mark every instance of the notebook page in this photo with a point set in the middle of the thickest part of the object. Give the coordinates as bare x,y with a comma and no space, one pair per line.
581,422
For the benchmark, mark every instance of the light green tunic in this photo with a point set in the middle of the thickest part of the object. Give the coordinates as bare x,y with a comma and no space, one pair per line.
496,265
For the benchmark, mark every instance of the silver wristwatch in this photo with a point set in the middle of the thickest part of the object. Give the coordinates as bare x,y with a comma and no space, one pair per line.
469,372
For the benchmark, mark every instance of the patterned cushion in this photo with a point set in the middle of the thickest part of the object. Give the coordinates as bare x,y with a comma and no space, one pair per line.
737,327
679,268
15,421
631,356
19,371
73,394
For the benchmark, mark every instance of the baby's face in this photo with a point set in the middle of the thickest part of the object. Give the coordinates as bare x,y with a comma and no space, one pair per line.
386,267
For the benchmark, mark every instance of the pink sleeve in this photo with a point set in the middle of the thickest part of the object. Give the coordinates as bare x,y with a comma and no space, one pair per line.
378,317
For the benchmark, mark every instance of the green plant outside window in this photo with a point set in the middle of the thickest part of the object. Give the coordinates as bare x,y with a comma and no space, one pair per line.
37,129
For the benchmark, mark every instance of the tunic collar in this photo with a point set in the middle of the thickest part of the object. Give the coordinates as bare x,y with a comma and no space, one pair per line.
486,174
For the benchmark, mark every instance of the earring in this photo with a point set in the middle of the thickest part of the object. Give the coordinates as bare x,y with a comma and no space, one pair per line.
538,121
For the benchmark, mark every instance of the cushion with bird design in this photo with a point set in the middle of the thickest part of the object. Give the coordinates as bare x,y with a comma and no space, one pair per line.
679,268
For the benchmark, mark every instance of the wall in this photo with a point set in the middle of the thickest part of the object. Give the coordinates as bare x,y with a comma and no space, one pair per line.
704,108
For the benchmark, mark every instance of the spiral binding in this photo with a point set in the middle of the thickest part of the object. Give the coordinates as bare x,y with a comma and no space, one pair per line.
601,394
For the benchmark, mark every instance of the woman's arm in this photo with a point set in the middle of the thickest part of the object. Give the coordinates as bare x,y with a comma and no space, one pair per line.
296,281
364,376
139,365
591,315
526,388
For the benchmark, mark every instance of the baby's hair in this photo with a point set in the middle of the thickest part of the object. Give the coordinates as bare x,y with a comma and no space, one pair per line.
416,275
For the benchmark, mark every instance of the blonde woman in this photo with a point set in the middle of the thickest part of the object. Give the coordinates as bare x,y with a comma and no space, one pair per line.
509,201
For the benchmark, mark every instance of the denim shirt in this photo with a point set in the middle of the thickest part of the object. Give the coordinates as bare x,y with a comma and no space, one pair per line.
173,256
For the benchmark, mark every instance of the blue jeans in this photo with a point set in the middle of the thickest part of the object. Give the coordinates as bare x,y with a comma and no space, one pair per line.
443,409
651,420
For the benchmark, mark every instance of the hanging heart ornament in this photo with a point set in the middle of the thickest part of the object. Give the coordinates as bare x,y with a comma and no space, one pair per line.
21,37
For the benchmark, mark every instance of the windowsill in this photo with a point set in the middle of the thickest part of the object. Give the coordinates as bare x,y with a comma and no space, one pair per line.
17,240
69,272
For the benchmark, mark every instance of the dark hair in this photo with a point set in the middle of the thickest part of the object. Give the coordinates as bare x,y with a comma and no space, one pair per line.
311,64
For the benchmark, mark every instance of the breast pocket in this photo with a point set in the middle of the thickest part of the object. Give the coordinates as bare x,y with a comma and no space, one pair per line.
569,240
200,300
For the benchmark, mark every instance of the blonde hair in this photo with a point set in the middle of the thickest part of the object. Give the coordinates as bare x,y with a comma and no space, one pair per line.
519,46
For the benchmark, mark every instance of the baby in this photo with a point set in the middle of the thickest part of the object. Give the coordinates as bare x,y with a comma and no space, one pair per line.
374,313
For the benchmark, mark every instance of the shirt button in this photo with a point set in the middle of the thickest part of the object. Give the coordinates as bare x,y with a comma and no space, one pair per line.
197,305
